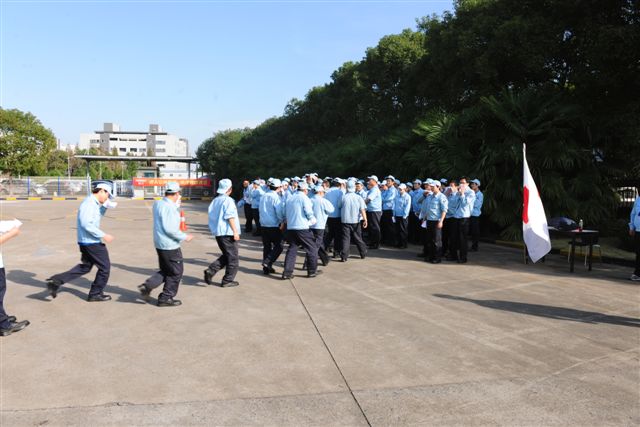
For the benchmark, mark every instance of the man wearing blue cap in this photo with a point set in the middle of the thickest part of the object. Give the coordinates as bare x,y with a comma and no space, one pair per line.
322,208
401,212
374,212
271,216
474,223
299,217
92,248
353,208
334,226
389,196
167,238
256,194
225,227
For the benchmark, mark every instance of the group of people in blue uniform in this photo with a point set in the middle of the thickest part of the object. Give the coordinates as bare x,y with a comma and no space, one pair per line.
325,216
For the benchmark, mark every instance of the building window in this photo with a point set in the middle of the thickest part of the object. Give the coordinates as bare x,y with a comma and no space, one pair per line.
133,150
160,165
113,139
123,150
160,150
160,142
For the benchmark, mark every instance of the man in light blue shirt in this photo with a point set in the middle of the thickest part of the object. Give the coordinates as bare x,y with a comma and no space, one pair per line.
401,212
474,223
92,248
299,218
389,196
333,237
271,217
256,194
460,223
360,191
353,208
453,199
415,231
247,188
225,227
434,210
322,210
167,237
634,231
374,212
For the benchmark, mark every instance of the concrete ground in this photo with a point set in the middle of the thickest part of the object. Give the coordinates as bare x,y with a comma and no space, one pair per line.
389,340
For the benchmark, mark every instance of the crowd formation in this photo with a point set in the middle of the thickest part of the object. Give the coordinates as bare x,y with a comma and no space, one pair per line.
321,217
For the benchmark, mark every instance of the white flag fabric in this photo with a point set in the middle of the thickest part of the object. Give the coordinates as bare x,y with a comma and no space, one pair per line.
534,220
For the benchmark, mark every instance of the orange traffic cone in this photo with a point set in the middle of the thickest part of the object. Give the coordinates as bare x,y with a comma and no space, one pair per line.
183,221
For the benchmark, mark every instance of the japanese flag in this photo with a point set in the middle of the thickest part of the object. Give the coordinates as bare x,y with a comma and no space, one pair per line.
534,220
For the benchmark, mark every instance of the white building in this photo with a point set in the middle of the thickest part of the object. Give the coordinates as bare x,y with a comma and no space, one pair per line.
153,142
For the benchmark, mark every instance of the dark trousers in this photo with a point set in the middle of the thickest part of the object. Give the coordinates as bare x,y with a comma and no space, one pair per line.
94,254
387,228
318,237
256,218
433,242
446,235
459,230
333,235
373,218
248,216
474,226
414,228
300,239
401,231
271,245
637,244
171,270
228,260
352,233
4,319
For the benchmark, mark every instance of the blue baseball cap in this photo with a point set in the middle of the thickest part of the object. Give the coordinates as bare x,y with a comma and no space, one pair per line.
224,185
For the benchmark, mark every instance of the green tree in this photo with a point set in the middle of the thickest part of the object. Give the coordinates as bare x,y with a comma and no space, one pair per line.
25,143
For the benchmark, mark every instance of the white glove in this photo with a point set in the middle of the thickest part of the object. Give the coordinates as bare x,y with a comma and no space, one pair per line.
313,221
109,204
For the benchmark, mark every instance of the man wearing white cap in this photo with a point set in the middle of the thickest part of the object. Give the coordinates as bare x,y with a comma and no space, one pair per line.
352,208
389,196
415,232
247,188
434,210
271,216
322,208
166,239
474,223
225,227
334,227
91,241
401,212
299,217
374,212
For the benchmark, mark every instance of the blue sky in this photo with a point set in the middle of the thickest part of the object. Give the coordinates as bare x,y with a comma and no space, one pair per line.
194,67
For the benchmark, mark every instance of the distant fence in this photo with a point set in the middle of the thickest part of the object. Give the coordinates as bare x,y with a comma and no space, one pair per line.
59,186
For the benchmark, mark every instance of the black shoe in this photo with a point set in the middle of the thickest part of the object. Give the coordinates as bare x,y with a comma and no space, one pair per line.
144,291
12,319
436,261
324,261
265,271
169,302
311,275
421,255
462,261
287,276
99,298
229,284
452,259
208,275
363,256
374,246
14,327
343,259
53,286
